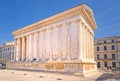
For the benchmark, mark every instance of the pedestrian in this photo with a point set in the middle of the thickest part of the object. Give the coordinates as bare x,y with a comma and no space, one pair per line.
107,69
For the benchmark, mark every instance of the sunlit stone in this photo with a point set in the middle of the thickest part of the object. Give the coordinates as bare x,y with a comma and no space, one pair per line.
62,43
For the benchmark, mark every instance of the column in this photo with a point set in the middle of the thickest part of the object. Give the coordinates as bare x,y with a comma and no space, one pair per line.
86,39
88,44
44,46
73,32
32,46
51,44
19,49
64,39
55,43
15,50
37,46
36,43
23,48
40,45
92,46
80,37
48,43
58,26
27,48
68,40
83,41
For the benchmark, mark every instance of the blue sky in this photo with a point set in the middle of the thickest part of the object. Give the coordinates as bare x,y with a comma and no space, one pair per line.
15,14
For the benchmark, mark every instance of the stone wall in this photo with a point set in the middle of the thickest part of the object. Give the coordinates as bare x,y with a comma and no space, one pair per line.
74,67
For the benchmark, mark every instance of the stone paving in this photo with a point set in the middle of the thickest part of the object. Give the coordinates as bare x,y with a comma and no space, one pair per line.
17,75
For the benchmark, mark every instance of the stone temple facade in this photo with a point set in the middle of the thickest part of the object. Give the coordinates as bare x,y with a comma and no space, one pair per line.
63,43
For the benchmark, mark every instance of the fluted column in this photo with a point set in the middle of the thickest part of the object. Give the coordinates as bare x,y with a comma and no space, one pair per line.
68,40
86,48
83,41
80,35
65,41
58,26
32,46
37,46
19,49
88,44
55,45
86,39
23,48
15,50
50,44
92,47
41,48
43,41
27,47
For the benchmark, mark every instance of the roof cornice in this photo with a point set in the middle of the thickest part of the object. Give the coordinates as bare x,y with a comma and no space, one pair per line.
61,16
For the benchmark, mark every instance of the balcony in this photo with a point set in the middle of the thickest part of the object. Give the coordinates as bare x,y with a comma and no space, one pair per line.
105,59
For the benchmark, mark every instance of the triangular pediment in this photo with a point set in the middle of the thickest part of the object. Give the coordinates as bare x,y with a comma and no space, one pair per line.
90,13
89,16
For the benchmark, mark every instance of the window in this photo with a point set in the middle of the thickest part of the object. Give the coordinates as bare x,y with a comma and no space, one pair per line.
105,56
12,55
112,41
119,64
98,49
98,57
113,47
104,42
98,64
105,47
105,64
113,56
97,42
114,64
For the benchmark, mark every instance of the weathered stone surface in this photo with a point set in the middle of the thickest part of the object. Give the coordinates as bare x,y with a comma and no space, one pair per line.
64,43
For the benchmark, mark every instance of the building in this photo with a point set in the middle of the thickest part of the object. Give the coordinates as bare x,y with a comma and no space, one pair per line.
107,52
0,55
7,52
63,43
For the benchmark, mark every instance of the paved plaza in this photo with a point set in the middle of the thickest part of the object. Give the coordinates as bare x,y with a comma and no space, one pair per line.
18,75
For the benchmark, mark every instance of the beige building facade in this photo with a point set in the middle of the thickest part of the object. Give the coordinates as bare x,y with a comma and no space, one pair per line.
63,42
107,52
7,52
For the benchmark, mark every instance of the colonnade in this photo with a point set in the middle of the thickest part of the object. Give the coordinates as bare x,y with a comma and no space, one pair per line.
72,40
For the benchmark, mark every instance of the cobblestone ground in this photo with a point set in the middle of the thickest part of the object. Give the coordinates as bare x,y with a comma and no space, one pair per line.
17,75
